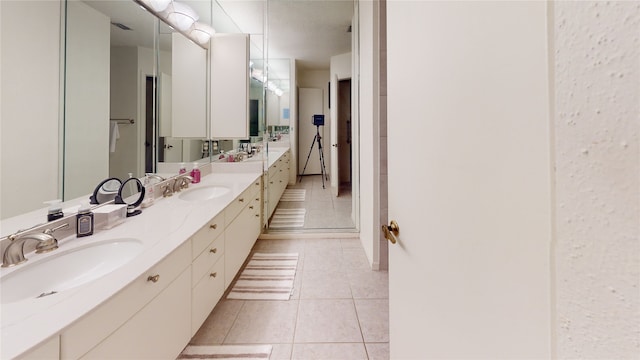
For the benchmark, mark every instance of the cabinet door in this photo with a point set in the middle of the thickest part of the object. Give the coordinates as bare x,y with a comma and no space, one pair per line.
50,350
188,88
159,331
206,294
238,243
229,56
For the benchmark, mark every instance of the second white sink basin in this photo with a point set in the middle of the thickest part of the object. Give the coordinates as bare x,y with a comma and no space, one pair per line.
67,269
204,193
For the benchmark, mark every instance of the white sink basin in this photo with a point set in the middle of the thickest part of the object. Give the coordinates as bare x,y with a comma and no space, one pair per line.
67,270
204,193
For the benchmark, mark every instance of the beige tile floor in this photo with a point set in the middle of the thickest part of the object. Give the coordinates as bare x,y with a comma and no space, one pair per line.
339,308
324,211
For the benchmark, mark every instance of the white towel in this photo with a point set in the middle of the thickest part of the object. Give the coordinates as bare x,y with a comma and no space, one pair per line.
114,134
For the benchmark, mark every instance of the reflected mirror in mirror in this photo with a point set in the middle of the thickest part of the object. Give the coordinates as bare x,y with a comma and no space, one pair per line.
105,191
131,193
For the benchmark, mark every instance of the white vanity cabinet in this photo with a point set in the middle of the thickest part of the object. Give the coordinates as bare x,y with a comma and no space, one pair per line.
150,318
156,315
207,270
242,229
50,350
278,178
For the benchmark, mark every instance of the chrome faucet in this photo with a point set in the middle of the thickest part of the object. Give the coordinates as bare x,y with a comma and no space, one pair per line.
182,182
14,253
155,176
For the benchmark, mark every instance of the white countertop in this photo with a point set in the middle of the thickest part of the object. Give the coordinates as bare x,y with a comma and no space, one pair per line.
161,228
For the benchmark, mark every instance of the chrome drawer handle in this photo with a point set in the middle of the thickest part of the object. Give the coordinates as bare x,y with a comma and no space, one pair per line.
153,278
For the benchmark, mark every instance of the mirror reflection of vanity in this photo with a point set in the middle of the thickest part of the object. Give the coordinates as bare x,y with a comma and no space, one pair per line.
140,91
108,110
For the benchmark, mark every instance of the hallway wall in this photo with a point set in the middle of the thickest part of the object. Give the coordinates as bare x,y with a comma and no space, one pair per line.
597,123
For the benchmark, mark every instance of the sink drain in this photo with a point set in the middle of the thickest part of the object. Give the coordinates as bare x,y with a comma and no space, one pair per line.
46,294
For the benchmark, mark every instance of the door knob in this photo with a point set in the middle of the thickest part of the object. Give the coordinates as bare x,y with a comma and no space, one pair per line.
391,231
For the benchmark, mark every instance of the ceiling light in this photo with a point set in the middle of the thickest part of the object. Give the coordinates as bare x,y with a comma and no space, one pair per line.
180,15
157,5
202,32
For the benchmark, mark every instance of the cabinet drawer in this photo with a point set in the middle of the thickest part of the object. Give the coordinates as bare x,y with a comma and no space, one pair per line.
206,294
105,319
233,209
207,233
206,259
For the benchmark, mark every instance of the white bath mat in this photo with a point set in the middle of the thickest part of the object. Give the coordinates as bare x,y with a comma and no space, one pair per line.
266,277
287,218
293,195
222,352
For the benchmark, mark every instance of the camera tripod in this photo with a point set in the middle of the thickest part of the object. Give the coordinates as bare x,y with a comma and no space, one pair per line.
317,138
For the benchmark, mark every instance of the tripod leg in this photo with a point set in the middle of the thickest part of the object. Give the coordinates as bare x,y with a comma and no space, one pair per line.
323,170
308,156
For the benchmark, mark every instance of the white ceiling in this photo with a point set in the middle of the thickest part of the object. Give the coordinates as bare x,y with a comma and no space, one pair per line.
310,31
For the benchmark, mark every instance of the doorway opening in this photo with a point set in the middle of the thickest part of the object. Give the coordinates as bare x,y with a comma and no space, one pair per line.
345,150
149,135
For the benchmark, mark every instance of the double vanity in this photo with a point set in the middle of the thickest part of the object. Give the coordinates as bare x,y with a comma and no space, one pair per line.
143,288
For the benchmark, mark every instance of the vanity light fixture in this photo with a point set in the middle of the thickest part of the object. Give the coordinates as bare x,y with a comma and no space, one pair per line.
180,15
202,32
181,18
157,5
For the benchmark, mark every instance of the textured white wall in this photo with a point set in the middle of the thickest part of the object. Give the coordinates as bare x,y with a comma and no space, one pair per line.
597,121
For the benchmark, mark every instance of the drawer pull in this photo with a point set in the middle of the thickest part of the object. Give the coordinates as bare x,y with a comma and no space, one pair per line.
270,182
214,274
251,207
257,215
214,250
214,226
153,278
257,199
241,199
257,184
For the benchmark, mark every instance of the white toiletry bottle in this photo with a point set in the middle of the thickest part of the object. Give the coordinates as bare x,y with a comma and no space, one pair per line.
149,192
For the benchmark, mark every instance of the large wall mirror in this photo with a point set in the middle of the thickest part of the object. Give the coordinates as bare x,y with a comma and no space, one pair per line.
130,118
113,114
152,92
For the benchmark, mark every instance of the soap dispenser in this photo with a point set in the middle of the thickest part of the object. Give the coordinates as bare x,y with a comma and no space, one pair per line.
55,210
195,174
183,168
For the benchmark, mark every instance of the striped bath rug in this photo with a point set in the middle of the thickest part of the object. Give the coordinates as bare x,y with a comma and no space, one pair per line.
287,218
266,277
217,352
293,195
